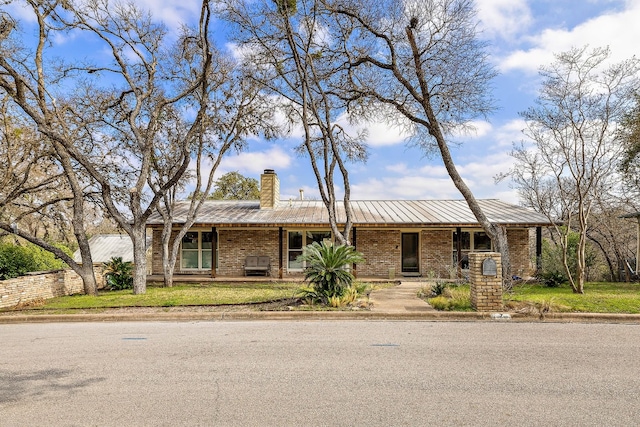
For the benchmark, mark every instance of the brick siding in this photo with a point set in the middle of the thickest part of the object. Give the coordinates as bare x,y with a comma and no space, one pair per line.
522,259
236,245
436,253
381,250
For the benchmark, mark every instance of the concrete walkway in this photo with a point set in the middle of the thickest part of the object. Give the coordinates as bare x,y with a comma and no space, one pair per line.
402,298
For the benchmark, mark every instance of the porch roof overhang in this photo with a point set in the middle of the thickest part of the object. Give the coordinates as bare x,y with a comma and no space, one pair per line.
631,215
365,214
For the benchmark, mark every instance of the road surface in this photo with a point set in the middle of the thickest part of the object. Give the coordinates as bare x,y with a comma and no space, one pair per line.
319,373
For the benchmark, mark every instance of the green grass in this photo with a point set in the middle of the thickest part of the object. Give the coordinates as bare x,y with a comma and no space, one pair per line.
182,295
597,297
453,298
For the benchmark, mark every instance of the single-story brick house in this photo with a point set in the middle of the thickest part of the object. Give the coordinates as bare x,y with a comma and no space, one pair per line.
401,237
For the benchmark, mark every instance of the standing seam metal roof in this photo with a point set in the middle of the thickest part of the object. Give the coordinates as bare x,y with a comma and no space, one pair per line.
410,213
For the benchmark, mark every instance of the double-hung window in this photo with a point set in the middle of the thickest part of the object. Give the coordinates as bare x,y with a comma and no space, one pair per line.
299,239
478,240
196,250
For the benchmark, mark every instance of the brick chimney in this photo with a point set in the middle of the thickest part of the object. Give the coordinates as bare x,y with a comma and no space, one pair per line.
269,189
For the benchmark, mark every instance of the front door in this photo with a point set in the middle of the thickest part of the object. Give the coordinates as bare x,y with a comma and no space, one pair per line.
410,262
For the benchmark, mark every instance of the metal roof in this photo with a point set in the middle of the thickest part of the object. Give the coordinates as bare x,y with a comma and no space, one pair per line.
631,215
106,246
375,213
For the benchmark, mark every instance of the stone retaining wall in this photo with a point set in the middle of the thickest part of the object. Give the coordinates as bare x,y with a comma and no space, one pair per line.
44,285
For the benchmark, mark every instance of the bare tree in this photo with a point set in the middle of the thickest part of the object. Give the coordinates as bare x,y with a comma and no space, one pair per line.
109,116
237,109
420,66
38,182
289,48
575,144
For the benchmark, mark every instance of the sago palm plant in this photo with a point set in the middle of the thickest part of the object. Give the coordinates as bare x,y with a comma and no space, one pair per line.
327,267
118,274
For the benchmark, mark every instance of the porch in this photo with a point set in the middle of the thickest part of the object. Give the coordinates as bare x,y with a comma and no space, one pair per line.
197,278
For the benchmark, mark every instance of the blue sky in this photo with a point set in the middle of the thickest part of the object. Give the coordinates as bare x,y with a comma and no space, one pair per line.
523,35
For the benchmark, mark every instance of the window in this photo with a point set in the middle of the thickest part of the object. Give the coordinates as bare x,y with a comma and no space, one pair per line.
196,251
295,249
299,239
481,242
478,240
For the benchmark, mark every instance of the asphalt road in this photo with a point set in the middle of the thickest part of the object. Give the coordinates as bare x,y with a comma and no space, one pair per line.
343,373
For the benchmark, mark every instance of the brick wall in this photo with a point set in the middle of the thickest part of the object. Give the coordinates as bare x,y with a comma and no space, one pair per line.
45,285
522,260
381,250
436,253
235,245
156,251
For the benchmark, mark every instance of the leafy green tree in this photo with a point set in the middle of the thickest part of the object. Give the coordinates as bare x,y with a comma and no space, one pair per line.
234,186
327,267
630,131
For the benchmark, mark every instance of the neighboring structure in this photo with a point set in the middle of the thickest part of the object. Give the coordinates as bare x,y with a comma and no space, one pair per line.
106,246
396,237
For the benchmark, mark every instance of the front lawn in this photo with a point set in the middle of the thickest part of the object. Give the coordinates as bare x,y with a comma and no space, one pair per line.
183,295
597,298
534,297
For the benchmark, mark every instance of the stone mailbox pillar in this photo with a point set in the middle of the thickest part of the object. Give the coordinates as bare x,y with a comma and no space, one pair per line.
485,274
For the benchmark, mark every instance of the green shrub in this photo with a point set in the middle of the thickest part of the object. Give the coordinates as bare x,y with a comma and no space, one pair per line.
17,260
452,299
438,288
553,273
552,279
327,268
118,274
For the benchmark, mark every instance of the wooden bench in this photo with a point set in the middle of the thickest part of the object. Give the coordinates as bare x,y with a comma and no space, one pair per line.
257,265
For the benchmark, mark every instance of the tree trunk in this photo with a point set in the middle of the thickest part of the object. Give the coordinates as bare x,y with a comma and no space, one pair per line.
496,233
138,236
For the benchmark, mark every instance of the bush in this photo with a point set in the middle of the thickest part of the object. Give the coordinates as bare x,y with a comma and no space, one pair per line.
118,274
452,299
17,260
553,273
438,288
327,268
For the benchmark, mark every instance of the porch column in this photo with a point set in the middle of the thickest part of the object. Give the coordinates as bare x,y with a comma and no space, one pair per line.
214,251
538,249
353,242
280,251
459,251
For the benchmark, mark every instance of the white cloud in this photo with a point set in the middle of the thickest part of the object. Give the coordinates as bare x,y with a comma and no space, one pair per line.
253,163
20,11
379,133
172,13
433,182
503,18
619,30
473,130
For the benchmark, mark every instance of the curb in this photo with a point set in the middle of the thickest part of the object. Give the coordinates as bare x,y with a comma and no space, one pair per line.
323,315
